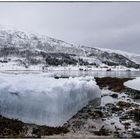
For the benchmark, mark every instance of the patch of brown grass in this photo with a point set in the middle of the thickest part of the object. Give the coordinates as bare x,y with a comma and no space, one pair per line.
46,131
10,129
124,104
114,84
135,113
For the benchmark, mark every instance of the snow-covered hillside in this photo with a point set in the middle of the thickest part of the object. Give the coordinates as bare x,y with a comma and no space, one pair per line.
132,56
24,50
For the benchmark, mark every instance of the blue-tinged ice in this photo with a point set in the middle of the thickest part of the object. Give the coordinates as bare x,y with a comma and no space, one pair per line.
43,100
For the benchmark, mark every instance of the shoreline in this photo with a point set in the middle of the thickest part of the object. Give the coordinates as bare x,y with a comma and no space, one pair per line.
116,117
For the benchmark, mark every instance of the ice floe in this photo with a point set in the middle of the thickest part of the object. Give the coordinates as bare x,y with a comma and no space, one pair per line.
44,100
133,84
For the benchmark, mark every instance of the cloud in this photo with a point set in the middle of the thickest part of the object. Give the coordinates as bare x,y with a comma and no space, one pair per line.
114,25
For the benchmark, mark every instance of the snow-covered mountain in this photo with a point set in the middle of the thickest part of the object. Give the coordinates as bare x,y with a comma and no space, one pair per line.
27,49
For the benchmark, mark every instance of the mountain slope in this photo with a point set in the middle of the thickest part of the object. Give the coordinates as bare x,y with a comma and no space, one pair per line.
132,56
27,49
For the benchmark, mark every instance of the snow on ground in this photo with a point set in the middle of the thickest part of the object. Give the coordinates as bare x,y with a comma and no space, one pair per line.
91,68
134,84
14,64
44,100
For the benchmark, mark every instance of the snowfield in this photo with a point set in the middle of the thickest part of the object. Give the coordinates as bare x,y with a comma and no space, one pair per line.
134,84
44,100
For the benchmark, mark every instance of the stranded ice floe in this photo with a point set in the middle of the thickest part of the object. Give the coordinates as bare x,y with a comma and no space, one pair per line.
44,100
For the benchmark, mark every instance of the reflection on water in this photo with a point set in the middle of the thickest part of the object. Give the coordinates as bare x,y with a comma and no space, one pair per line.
76,73
121,74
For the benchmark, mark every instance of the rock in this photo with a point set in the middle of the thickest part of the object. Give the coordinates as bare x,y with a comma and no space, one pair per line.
98,113
110,105
124,117
102,132
112,123
114,95
127,125
124,104
117,128
135,114
116,134
103,119
135,94
136,132
116,109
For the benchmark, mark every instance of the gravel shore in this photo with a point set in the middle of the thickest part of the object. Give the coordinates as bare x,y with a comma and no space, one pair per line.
116,115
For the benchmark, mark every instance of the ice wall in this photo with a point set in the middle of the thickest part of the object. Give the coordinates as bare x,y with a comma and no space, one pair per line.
44,100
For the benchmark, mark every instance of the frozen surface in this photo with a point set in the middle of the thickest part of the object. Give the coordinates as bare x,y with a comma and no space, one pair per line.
44,100
134,84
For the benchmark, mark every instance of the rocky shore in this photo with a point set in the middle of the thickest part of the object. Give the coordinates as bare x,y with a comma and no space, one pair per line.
117,116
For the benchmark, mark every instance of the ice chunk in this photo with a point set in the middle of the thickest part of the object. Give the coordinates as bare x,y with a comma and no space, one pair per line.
43,100
134,84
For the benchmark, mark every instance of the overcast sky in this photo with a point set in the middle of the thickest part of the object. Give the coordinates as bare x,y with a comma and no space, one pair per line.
107,25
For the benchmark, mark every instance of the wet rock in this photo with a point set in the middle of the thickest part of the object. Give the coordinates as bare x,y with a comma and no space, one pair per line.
58,77
124,104
117,128
134,94
111,108
116,109
46,131
116,134
135,114
97,114
101,108
110,105
128,100
124,135
102,132
136,133
112,123
103,119
77,124
127,125
124,117
114,95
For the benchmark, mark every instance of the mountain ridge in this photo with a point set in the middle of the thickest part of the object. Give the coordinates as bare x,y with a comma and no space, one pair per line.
49,51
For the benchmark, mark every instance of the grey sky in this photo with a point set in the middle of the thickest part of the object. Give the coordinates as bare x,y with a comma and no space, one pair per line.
108,25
